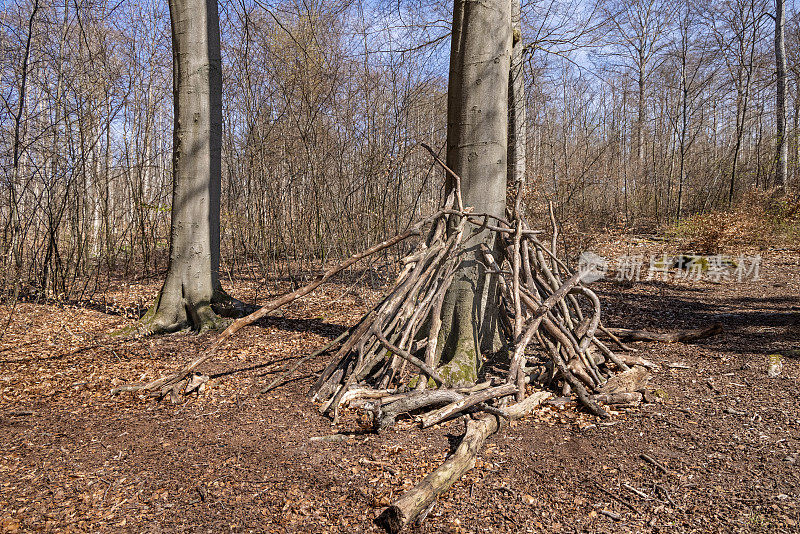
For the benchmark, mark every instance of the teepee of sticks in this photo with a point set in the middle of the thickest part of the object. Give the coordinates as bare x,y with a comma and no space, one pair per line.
386,365
388,358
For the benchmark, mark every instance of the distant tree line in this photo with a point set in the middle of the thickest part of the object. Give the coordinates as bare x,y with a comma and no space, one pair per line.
638,112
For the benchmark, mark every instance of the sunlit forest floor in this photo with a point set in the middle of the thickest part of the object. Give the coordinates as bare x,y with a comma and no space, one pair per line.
75,459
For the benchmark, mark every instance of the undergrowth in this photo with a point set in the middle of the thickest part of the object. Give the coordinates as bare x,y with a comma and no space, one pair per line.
759,221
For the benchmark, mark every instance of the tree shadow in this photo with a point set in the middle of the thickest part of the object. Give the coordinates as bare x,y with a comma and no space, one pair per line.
759,325
314,326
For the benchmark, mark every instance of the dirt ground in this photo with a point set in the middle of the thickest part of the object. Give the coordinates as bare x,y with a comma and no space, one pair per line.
75,459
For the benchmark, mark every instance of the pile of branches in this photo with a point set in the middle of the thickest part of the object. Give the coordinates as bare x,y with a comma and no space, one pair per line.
551,337
386,365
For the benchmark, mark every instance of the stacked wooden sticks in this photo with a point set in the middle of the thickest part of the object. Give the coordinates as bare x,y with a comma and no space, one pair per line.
388,360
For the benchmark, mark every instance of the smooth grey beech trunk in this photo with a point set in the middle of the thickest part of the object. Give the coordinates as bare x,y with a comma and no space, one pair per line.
192,282
477,141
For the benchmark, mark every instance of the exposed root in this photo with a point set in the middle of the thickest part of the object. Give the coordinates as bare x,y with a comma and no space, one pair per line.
172,313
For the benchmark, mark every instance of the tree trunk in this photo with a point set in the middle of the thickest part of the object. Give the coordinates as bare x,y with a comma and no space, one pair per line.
192,284
796,134
640,115
780,94
743,96
477,141
683,134
517,131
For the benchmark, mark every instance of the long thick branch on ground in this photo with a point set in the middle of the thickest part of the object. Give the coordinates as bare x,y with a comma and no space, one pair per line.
408,507
678,336
386,414
467,402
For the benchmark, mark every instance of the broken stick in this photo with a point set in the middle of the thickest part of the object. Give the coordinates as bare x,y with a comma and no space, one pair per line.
409,506
679,336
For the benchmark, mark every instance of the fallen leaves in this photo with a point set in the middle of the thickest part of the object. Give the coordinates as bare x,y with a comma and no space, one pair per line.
9,525
82,460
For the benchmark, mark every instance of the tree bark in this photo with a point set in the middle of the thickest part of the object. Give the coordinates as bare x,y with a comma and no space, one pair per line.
796,132
192,283
780,94
517,130
477,142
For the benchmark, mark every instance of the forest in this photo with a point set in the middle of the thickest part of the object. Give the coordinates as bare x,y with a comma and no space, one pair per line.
361,266
641,114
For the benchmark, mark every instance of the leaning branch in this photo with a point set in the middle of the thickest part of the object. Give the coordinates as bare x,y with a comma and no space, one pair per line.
168,381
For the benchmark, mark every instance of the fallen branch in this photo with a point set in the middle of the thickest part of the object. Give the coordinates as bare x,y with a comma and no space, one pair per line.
441,414
618,398
385,415
679,336
406,509
610,514
637,492
652,461
615,497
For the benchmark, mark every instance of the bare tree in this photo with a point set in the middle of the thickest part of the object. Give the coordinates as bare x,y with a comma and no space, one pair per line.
737,29
689,58
638,30
12,232
477,143
793,53
781,148
192,283
517,128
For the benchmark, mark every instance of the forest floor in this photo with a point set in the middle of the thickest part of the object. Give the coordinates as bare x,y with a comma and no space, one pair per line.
74,459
